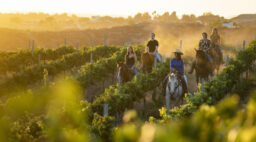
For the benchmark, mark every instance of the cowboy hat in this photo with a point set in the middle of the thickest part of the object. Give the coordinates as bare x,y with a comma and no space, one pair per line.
178,51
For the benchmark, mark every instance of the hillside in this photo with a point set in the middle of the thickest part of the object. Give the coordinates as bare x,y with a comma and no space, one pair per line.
244,18
168,34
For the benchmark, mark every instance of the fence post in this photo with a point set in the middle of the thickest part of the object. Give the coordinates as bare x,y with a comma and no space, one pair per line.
29,44
155,62
33,44
119,81
247,72
105,112
202,86
167,101
123,45
91,52
242,74
105,41
227,60
180,44
77,46
39,60
244,45
128,41
65,42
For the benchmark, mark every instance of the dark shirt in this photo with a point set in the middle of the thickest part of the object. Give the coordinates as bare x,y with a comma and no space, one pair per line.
178,65
130,61
152,45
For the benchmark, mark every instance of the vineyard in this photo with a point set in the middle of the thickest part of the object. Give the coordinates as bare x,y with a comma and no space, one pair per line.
71,94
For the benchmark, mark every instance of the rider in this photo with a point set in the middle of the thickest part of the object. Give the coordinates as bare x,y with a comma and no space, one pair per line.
152,47
131,60
215,39
205,45
177,67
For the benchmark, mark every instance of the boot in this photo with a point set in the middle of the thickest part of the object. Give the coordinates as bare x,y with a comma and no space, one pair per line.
192,67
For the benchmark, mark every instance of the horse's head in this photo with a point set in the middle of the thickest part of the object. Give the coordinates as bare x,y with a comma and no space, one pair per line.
200,55
173,83
120,66
124,72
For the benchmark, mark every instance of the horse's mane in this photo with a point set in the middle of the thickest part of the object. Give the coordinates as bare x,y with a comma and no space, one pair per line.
201,54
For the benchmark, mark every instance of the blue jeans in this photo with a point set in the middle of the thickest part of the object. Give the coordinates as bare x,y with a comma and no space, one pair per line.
135,71
209,58
158,57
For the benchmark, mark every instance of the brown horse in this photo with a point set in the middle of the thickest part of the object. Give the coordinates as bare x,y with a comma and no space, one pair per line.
217,61
147,61
124,73
203,66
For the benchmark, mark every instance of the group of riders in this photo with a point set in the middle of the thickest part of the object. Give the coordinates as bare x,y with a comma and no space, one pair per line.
177,63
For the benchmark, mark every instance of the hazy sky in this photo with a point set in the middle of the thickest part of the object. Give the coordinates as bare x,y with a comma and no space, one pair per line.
227,8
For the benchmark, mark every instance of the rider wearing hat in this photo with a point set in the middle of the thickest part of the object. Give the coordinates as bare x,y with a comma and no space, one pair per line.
177,66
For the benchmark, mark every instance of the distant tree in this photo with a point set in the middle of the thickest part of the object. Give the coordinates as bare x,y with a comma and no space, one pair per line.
166,17
15,19
84,20
154,14
188,18
130,20
209,18
142,17
174,16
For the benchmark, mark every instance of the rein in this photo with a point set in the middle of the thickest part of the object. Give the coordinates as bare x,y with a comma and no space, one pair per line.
176,87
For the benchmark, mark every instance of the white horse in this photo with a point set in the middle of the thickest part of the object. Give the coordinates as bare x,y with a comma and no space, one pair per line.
174,91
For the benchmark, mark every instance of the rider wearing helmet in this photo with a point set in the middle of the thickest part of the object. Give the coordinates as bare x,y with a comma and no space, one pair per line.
177,66
215,39
152,47
131,60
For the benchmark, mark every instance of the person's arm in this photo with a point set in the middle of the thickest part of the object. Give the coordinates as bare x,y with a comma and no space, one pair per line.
147,48
182,71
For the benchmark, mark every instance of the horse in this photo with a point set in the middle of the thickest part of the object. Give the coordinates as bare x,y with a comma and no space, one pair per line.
203,66
124,73
174,90
214,53
147,61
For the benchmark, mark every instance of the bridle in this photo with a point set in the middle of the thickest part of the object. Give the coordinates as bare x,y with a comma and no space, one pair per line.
176,86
